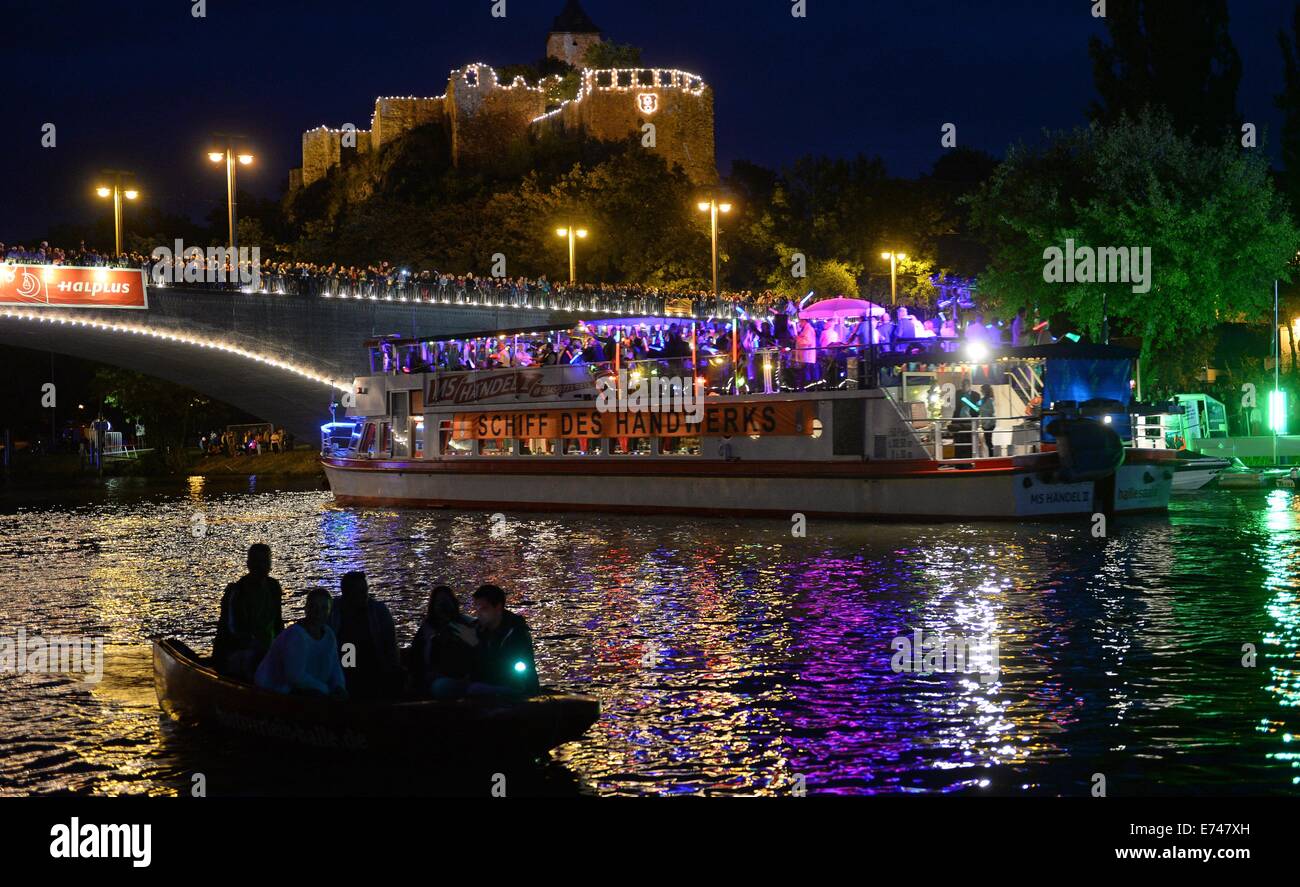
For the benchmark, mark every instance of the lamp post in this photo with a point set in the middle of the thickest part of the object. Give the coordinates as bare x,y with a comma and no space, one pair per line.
893,258
713,207
117,192
574,235
231,158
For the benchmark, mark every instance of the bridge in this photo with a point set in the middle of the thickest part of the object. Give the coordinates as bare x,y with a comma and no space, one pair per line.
282,358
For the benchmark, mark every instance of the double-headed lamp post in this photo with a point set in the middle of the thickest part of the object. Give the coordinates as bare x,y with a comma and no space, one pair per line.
893,258
574,235
713,207
117,191
231,159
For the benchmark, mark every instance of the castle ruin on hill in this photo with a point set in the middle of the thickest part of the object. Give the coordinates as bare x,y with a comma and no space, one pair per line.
483,115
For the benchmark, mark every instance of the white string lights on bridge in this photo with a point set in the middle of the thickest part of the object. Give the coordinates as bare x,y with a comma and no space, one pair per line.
180,339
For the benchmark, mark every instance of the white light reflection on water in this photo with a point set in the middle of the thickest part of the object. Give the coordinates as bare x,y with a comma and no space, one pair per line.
729,656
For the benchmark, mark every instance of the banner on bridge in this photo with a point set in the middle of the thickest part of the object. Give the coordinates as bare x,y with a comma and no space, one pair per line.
66,287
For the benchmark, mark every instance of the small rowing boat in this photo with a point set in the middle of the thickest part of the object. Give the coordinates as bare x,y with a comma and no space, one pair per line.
190,691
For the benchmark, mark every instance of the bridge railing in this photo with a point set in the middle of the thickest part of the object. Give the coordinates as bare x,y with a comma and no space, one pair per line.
522,296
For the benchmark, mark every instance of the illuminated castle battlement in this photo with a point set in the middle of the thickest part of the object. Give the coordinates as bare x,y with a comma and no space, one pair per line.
484,116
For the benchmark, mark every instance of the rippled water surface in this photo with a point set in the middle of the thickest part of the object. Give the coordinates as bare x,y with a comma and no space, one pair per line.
730,657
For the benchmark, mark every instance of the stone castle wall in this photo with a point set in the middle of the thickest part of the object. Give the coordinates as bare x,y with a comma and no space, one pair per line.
394,117
485,117
616,104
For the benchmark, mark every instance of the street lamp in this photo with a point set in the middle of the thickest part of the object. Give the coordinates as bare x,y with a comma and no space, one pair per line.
117,192
713,206
574,235
893,258
231,159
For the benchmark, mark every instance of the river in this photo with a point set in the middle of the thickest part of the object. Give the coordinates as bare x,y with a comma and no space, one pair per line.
731,657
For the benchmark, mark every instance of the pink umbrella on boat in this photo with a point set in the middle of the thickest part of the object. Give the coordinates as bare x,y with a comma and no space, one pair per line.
841,308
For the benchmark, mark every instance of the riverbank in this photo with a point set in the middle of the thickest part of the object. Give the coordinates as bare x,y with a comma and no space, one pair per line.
70,467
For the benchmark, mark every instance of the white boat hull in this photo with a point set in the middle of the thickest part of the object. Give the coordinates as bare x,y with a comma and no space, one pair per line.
946,494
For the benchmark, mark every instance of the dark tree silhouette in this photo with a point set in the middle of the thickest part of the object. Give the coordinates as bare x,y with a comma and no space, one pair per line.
1170,55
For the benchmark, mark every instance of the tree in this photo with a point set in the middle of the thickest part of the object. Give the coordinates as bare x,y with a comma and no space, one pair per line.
1217,230
612,55
1171,55
1288,102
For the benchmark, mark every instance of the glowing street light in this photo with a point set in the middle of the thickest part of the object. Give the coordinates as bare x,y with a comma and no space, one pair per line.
231,159
117,192
713,207
893,258
574,235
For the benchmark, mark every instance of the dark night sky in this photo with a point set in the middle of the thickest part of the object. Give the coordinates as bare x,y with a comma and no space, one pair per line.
139,85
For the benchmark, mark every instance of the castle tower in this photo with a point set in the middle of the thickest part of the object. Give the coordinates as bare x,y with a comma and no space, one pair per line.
572,34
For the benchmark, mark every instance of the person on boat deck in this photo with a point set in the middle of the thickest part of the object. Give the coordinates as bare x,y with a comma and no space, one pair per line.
251,617
437,653
372,663
988,423
503,651
305,657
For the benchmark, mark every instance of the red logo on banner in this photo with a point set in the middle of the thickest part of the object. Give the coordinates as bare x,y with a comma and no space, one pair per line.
62,286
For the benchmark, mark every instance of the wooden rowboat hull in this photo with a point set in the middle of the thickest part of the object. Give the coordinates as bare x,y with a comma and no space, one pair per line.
189,691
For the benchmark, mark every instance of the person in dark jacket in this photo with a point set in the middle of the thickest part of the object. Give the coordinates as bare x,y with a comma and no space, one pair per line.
438,660
367,640
503,646
251,618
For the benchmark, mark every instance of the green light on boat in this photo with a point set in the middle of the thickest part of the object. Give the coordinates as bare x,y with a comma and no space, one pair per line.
521,667
1073,337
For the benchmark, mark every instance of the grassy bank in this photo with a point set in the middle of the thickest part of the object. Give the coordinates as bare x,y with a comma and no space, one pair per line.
27,468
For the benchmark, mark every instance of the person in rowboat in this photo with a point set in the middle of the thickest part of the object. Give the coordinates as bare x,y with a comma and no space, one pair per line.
438,660
372,662
304,658
250,618
503,647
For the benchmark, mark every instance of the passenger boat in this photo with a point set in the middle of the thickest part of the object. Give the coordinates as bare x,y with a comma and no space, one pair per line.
190,691
867,432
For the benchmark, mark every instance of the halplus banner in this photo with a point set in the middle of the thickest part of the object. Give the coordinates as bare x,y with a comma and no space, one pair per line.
62,286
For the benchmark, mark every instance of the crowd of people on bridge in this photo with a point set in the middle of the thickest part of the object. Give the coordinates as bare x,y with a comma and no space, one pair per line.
386,281
347,647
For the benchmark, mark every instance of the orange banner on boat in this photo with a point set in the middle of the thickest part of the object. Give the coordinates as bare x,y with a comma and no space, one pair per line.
67,287
719,420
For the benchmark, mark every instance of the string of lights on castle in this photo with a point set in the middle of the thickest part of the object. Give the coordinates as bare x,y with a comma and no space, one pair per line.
483,116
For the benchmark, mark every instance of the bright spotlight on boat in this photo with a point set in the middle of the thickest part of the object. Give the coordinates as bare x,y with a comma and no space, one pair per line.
521,667
977,352
1105,420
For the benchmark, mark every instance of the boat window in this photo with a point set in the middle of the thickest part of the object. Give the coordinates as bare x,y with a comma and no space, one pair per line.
631,446
538,446
503,447
587,446
681,446
417,435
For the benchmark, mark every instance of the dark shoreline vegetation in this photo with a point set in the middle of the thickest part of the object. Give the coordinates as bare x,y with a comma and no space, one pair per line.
68,469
